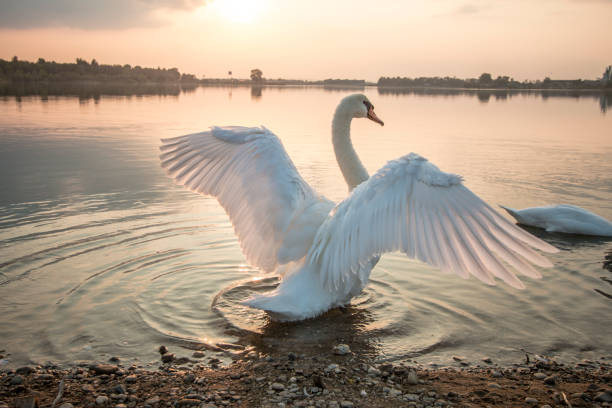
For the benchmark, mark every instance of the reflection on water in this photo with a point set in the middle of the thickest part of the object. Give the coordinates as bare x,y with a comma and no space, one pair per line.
92,90
605,102
571,243
484,96
88,90
101,254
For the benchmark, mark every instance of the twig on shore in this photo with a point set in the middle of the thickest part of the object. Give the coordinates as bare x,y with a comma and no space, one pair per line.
565,399
60,393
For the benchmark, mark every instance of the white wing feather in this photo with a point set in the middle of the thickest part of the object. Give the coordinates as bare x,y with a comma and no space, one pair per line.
411,206
254,180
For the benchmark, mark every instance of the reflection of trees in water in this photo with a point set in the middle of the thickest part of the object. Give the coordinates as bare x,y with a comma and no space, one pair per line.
343,88
256,92
484,96
605,102
86,90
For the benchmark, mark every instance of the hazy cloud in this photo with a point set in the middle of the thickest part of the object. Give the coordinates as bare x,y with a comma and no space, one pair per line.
467,9
89,14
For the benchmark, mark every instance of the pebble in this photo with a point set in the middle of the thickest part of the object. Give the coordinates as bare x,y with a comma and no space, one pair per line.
530,400
16,380
346,404
25,370
187,402
363,393
342,349
605,396
487,360
167,357
152,400
494,385
496,374
87,388
101,400
545,406
118,389
162,349
552,380
277,386
104,368
131,379
373,371
66,405
198,354
412,378
44,377
539,376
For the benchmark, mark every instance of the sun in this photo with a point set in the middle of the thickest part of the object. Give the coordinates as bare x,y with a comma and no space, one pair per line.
239,11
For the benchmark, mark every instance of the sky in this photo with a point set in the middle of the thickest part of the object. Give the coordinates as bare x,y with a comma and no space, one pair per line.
318,39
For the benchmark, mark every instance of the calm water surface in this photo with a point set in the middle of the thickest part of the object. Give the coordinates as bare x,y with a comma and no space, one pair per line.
101,254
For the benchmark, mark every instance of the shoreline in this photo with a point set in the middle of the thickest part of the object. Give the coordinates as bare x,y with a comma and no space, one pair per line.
332,378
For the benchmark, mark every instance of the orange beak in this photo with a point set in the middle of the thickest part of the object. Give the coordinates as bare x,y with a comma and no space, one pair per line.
372,116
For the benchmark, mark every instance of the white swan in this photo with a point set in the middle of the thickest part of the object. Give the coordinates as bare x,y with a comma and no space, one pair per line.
563,218
325,252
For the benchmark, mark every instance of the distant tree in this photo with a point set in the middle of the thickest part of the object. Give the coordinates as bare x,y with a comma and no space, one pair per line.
607,75
256,75
502,81
94,63
15,59
81,61
485,78
41,61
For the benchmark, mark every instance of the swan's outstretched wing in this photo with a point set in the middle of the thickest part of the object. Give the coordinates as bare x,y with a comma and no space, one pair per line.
253,178
411,206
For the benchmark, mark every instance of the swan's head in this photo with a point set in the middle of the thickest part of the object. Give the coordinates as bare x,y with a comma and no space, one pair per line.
359,106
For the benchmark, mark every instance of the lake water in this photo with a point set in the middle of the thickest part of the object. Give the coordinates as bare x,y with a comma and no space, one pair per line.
102,255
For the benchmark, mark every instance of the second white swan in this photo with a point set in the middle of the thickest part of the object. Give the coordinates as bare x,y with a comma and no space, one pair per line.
325,252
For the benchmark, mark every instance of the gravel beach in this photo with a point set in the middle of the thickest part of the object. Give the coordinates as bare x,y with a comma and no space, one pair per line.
336,378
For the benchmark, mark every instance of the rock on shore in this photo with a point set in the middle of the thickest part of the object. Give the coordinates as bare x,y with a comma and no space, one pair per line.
325,380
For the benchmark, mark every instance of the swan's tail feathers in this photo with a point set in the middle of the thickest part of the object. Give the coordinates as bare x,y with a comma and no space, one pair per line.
284,307
275,304
510,211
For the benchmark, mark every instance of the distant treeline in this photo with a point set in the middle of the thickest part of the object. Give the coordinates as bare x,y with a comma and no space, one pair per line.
16,72
486,81
81,70
281,81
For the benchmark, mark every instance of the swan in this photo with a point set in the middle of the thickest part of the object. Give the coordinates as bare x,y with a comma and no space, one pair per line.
324,252
563,218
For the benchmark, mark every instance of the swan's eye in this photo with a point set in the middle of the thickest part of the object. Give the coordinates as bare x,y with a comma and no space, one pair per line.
368,105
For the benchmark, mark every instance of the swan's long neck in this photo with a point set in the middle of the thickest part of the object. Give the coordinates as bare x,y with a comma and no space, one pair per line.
352,169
